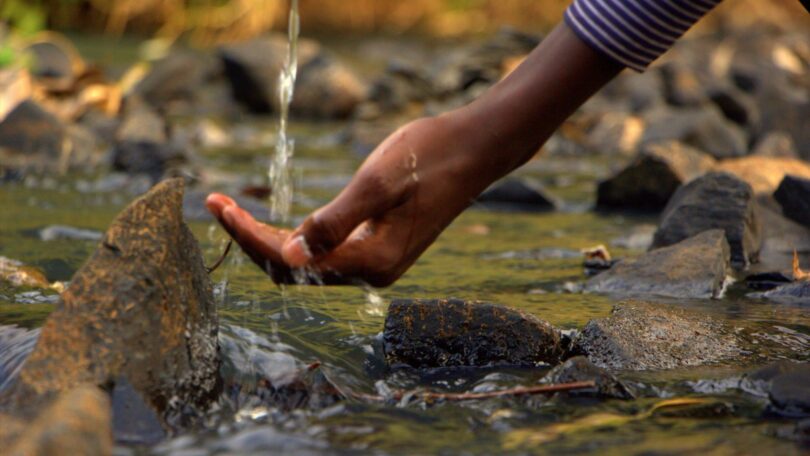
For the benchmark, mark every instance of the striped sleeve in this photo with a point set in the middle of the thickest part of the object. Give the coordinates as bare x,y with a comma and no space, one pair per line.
634,32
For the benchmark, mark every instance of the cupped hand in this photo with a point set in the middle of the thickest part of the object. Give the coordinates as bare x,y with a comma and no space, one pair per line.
402,197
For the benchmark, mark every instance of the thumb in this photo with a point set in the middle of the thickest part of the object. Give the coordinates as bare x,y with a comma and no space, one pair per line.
329,226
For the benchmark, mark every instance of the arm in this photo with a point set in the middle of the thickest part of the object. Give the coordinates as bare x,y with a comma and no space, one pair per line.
425,174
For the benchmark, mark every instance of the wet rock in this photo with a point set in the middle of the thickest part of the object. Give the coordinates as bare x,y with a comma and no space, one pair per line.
715,200
796,292
31,137
516,195
325,88
764,174
776,144
580,369
140,308
694,268
644,336
18,274
648,182
133,420
77,422
766,280
789,391
54,232
703,128
453,332
793,194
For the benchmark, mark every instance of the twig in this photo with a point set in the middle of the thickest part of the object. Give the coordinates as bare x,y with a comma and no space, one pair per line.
221,258
454,397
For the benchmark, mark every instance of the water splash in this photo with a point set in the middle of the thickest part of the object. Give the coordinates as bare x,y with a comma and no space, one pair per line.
279,173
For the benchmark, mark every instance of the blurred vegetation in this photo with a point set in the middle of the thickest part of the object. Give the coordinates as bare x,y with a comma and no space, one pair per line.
211,21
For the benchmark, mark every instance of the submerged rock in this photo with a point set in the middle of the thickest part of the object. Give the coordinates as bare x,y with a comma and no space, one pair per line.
649,181
141,308
644,336
788,385
580,369
796,292
453,332
516,195
694,268
716,200
793,195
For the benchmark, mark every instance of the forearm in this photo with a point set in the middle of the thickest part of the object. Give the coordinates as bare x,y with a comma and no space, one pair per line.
508,124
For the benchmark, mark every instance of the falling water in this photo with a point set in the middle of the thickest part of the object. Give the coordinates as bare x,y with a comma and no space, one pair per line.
279,174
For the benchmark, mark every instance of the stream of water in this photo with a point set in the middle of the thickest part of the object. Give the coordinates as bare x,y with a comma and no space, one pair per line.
280,176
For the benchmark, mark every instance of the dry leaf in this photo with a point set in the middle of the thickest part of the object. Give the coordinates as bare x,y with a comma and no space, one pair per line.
798,274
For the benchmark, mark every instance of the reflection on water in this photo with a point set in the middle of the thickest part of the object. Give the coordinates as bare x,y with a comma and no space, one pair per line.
521,260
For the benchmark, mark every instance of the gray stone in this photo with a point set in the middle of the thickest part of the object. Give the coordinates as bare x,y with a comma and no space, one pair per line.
694,268
793,195
703,128
580,369
648,182
453,332
516,195
644,336
715,200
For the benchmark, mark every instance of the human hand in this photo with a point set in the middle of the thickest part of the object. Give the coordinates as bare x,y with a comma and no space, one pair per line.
402,197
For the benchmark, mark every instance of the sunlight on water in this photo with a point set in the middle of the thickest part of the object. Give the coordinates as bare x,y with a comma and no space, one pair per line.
279,174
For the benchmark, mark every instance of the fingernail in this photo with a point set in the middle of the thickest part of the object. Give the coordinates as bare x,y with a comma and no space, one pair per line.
296,252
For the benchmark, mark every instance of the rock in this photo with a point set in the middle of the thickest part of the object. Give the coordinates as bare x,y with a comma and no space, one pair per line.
134,422
776,144
694,268
796,292
580,369
737,107
18,274
325,88
682,87
177,76
453,332
55,61
781,237
141,308
715,200
516,195
31,138
648,182
615,132
400,85
15,87
703,128
78,422
765,174
765,281
142,144
793,194
644,336
790,391
54,232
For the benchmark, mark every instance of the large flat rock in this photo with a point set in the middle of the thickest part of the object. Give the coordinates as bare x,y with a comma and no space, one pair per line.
694,268
140,309
452,332
714,201
645,336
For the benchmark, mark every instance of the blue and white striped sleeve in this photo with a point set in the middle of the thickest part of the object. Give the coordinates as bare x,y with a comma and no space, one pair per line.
634,32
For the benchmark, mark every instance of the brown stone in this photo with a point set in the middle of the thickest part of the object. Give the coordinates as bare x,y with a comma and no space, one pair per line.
76,423
141,308
764,174
453,332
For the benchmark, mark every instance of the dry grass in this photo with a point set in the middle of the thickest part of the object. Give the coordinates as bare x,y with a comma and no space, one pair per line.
211,21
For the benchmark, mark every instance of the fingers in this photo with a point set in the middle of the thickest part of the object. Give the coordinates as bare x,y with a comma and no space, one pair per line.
329,226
